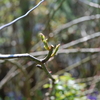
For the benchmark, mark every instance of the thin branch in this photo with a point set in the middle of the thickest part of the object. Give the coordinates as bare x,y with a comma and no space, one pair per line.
26,55
24,72
38,53
8,77
92,81
88,79
10,23
61,50
32,58
82,50
92,84
74,22
18,67
11,74
66,69
81,40
47,72
90,3
69,24
38,85
77,64
49,55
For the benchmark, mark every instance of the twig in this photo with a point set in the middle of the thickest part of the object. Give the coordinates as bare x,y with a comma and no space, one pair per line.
74,22
10,23
42,53
8,77
82,50
39,85
22,69
18,67
90,3
11,74
32,58
66,69
88,79
26,55
69,24
77,64
92,84
47,72
49,55
81,40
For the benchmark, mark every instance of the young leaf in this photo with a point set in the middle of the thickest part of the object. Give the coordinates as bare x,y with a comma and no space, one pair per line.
55,50
42,36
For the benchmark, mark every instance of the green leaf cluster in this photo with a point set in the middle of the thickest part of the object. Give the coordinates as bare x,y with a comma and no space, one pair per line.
65,88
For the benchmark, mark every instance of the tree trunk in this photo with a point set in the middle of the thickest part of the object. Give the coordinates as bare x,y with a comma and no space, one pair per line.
27,25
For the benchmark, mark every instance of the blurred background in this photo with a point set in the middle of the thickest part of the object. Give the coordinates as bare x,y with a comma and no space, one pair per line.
75,25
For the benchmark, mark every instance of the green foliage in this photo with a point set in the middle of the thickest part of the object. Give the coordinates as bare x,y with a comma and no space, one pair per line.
65,88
